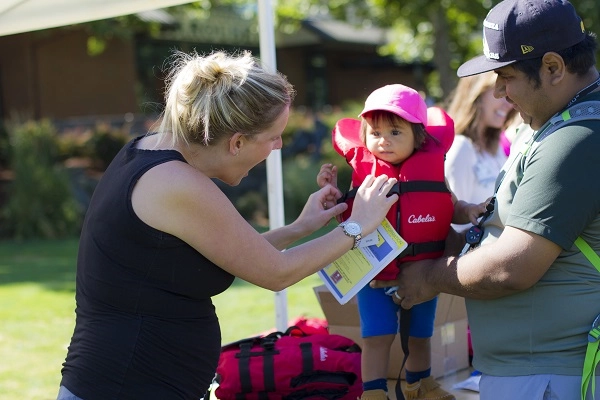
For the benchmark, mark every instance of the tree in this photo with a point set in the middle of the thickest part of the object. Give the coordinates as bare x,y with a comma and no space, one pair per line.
438,31
444,32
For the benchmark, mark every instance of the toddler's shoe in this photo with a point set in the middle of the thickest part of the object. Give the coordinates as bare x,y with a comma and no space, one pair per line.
376,394
426,389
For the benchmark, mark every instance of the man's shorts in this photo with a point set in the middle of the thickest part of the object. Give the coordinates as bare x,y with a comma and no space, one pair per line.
379,315
533,387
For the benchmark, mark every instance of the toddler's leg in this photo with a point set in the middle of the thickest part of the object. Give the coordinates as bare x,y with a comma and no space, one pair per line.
374,366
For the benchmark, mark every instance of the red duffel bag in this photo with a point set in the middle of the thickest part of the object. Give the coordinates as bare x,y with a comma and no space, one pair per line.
288,366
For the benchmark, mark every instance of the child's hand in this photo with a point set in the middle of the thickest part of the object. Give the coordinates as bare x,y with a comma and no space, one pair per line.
474,211
327,176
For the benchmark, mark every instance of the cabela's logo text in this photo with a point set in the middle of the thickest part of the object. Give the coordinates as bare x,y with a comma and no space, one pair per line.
413,219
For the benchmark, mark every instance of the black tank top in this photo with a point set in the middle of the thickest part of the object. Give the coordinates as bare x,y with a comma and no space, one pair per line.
146,327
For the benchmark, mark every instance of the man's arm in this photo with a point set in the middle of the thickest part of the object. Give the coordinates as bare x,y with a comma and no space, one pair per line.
515,262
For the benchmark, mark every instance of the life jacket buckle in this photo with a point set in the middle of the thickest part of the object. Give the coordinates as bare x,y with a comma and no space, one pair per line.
395,190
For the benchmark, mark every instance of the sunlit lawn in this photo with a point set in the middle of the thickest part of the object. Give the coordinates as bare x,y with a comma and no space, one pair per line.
37,282
36,316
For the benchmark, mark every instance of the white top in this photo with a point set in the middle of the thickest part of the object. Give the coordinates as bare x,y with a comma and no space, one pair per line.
472,174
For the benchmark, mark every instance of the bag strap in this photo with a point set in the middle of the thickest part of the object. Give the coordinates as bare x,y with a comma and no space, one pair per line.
584,111
405,315
311,376
592,359
405,187
267,353
592,355
588,252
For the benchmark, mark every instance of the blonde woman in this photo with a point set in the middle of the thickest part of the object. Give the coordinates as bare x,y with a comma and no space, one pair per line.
160,238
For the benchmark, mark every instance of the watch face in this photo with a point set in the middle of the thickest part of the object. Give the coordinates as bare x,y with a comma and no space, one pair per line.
353,228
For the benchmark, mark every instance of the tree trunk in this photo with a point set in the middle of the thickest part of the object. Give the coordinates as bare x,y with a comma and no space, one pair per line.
441,55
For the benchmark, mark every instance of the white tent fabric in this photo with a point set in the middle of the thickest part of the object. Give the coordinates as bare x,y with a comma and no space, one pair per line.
18,16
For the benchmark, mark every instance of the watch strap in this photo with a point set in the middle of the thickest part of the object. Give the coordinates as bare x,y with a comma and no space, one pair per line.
357,237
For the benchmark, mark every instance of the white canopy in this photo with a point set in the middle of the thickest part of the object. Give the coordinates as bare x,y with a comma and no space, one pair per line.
18,16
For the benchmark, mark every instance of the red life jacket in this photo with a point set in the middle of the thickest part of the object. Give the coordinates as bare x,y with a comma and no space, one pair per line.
423,213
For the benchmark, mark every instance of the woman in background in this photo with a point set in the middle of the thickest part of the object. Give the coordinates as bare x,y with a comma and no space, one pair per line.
476,156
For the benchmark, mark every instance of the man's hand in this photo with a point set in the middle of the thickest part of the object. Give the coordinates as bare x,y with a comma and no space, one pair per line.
412,284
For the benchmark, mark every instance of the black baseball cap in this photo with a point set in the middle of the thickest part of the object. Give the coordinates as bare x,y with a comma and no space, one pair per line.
516,30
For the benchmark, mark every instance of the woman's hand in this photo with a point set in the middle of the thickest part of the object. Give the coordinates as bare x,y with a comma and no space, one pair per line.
319,209
372,203
370,206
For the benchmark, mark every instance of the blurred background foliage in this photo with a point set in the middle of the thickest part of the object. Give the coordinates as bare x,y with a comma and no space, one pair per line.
51,176
444,32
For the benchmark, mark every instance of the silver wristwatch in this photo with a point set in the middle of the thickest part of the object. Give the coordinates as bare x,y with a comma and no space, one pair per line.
354,230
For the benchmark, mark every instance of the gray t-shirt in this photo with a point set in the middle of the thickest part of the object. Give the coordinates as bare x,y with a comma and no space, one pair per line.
554,192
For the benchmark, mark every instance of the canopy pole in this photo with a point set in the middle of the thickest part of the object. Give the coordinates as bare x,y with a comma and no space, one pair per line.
274,167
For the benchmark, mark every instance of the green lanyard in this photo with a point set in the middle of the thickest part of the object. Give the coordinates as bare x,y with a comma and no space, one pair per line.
592,355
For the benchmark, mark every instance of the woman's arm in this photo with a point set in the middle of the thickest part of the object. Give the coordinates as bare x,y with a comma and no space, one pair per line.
192,208
318,211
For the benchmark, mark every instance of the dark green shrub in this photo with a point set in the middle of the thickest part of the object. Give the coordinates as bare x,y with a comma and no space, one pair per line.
104,144
300,171
299,182
72,144
253,207
40,204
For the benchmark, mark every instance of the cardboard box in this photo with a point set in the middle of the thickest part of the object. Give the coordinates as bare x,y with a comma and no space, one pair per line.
449,348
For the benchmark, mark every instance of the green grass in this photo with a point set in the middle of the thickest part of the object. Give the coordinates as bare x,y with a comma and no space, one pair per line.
37,281
246,310
37,289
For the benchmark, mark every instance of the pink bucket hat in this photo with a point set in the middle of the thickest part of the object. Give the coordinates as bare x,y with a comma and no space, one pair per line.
398,99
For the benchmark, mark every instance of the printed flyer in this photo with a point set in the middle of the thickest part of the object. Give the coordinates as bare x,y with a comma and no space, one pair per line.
351,272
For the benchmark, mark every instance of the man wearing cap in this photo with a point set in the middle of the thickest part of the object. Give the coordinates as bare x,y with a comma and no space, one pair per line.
531,288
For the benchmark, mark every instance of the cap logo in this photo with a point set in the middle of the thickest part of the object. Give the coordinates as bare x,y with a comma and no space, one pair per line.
490,25
487,52
526,49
